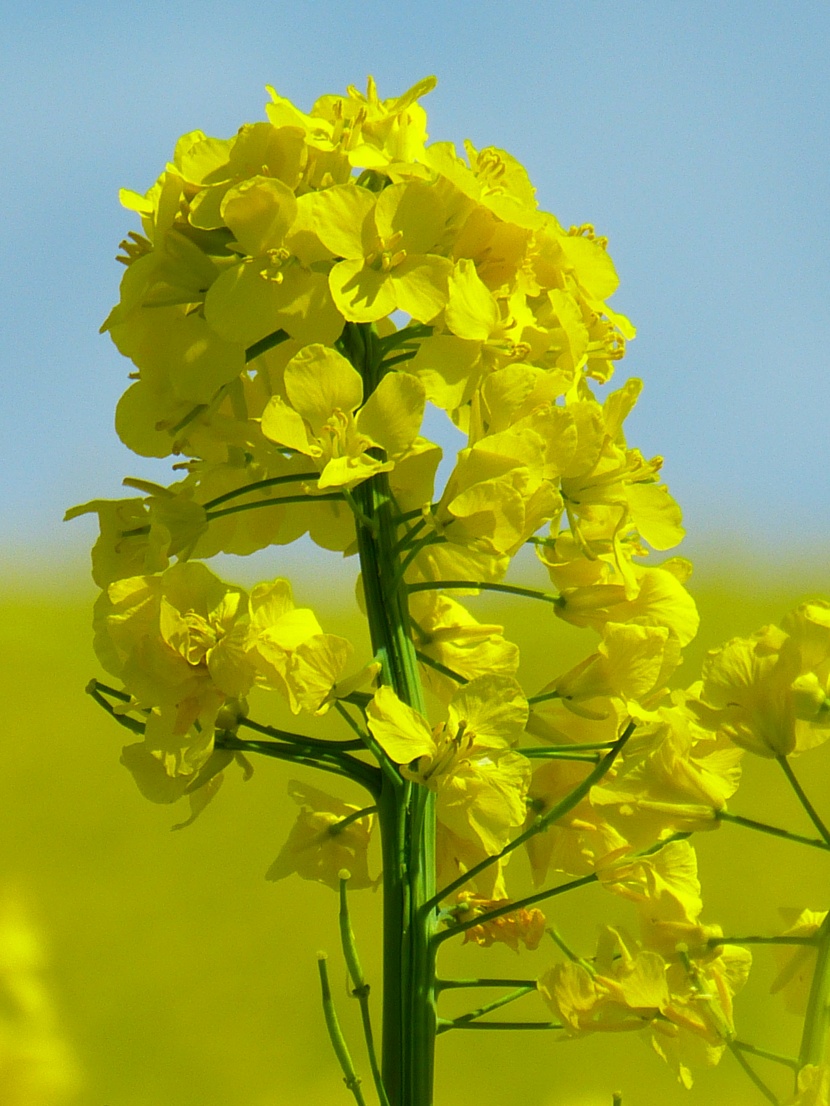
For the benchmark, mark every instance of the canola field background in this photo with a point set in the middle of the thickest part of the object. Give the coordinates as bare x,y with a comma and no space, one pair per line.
161,969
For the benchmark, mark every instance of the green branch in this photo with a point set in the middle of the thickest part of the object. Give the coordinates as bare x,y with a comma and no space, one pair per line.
278,501
94,689
348,767
812,814
299,739
442,668
755,1078
510,908
503,1025
484,585
559,810
264,344
465,1019
259,485
773,831
360,988
817,1018
338,1041
533,752
765,1054
454,984
713,942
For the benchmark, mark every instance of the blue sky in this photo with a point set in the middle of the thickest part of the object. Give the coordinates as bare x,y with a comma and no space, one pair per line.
694,135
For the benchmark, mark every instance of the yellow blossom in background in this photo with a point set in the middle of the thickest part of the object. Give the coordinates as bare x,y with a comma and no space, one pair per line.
37,1066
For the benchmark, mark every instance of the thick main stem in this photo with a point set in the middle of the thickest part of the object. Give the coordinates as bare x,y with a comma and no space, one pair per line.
817,1019
406,811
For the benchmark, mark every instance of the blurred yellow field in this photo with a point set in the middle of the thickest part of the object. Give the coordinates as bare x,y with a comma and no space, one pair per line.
178,976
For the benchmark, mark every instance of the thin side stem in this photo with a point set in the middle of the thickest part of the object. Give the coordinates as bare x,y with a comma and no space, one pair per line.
484,585
563,807
520,904
259,485
765,1054
278,501
752,1074
454,984
506,1025
810,810
338,1041
360,986
487,1008
773,831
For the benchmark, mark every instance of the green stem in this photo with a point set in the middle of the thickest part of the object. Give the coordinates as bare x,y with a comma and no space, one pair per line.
484,585
713,942
424,658
465,1019
534,753
543,697
131,724
279,501
348,767
404,542
576,746
507,1025
360,986
812,814
765,1054
559,810
817,1018
755,1078
259,485
773,831
338,1041
454,984
298,739
406,811
412,552
509,908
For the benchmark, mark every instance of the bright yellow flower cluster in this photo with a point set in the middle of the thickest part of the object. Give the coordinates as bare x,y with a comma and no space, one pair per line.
298,294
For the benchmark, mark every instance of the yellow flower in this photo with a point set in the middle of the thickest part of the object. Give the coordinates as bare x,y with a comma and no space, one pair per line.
140,536
290,651
324,391
497,494
522,926
468,760
673,775
631,662
388,245
325,839
356,130
274,286
580,841
659,600
748,682
626,989
770,691
448,633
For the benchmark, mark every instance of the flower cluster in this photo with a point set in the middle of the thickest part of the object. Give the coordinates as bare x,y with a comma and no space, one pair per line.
297,296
